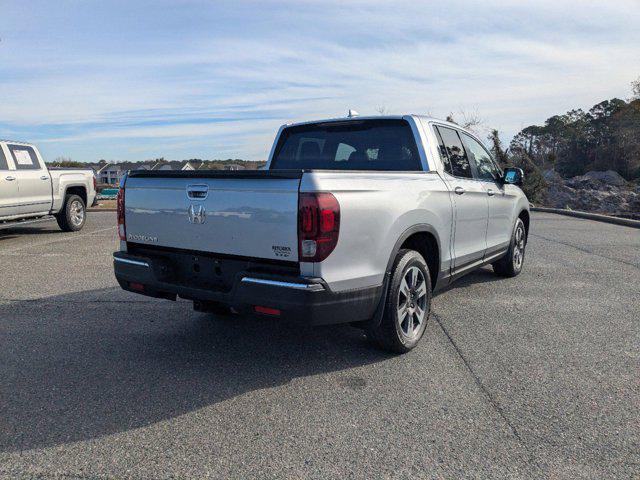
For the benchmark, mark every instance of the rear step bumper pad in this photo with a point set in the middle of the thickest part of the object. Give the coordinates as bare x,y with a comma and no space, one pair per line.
302,300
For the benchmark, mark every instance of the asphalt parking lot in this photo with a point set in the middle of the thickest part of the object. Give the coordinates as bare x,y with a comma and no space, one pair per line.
537,376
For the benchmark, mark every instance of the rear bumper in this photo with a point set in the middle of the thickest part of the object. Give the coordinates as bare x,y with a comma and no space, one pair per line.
299,299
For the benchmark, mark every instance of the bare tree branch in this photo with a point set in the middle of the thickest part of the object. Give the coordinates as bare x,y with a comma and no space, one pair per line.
635,89
469,120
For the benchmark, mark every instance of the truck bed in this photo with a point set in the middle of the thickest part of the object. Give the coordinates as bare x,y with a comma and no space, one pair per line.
250,214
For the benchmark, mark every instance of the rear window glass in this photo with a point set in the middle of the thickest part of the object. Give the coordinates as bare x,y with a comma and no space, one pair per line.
350,145
24,157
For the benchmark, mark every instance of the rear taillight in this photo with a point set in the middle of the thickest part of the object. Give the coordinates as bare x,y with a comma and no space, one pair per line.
138,287
95,184
120,212
318,226
267,310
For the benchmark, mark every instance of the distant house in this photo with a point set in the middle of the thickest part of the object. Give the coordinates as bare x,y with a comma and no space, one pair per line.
174,165
112,173
234,166
95,167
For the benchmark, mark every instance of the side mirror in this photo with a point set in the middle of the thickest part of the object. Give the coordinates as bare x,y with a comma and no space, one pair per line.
513,176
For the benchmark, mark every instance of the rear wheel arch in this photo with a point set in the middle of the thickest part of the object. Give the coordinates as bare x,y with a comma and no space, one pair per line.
414,236
425,240
78,190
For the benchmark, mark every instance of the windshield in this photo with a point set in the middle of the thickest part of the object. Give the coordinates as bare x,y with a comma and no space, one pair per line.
351,145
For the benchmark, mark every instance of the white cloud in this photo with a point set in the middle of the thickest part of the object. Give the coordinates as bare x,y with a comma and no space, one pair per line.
251,66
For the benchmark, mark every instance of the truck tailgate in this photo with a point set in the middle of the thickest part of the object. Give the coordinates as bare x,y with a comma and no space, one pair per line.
249,214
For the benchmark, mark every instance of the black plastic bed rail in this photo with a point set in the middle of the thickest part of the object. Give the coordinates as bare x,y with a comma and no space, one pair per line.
215,173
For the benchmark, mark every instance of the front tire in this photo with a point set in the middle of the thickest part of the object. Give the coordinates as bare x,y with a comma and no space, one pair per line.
73,214
407,305
511,264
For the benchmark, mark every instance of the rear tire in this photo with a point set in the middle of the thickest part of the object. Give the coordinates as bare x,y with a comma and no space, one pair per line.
511,264
73,214
407,305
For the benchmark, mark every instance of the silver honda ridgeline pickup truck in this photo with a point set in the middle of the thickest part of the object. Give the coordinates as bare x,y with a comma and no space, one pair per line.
353,220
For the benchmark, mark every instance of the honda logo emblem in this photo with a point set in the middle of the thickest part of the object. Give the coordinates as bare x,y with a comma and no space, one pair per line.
197,214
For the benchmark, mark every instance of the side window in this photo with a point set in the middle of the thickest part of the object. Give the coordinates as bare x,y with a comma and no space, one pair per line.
372,153
3,160
343,152
24,157
443,152
485,167
460,166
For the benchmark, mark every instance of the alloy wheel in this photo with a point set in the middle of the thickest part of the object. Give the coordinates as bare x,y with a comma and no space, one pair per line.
412,302
518,247
76,212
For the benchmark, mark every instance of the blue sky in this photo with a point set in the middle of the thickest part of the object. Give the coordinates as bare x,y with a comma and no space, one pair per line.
124,80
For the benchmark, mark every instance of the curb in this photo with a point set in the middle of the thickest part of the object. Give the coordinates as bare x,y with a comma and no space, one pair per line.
101,210
590,216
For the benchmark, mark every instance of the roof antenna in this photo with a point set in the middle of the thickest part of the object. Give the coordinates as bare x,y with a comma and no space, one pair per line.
352,113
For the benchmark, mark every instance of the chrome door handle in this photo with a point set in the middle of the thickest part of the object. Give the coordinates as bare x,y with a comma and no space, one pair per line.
44,177
490,192
9,178
459,190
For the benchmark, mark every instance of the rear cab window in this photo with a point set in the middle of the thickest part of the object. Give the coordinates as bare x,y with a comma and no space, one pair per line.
24,157
384,144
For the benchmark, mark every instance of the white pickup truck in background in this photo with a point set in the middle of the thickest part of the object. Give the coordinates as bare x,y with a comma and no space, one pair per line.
30,192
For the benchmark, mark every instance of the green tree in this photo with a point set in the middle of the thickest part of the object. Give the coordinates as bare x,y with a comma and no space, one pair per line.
65,162
604,138
499,153
625,150
535,186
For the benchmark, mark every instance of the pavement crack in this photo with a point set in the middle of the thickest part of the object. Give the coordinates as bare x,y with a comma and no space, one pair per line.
584,250
477,380
492,401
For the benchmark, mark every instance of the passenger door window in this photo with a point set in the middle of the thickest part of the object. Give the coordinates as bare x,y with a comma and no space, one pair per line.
24,157
443,153
3,160
485,168
456,154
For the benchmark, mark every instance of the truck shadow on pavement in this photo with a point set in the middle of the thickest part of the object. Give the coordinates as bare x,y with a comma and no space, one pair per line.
479,276
83,365
22,231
